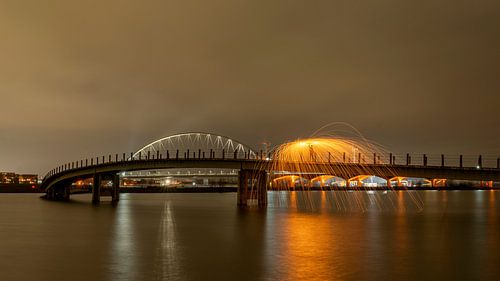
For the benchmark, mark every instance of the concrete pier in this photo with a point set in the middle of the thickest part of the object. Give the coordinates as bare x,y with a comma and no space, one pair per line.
242,188
66,193
262,189
96,189
115,193
252,186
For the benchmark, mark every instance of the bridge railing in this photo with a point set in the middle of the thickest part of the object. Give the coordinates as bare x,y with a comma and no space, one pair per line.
409,159
442,160
169,155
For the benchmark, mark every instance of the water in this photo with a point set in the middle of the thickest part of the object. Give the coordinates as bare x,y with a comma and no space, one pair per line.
205,237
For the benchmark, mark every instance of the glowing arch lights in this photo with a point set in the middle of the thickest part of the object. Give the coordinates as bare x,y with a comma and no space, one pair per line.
328,181
289,182
326,150
302,155
197,144
334,162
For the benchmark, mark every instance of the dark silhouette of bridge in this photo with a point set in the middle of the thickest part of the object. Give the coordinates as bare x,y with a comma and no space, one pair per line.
201,150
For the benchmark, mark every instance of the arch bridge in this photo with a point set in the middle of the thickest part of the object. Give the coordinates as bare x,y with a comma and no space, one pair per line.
204,150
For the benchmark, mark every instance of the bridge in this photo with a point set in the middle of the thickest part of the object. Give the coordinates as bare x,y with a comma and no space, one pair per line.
256,170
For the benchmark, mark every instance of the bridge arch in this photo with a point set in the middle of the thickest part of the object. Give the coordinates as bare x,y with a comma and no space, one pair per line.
289,182
366,181
402,181
197,145
328,180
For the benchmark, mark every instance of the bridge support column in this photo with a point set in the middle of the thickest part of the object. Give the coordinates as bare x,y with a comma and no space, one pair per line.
359,183
66,193
243,178
252,185
51,193
115,194
96,189
262,189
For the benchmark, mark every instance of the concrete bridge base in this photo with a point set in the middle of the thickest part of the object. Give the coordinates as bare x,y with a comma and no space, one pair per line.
252,188
97,188
58,193
115,193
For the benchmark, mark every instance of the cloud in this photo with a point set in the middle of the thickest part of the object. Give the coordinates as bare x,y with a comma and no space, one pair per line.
398,71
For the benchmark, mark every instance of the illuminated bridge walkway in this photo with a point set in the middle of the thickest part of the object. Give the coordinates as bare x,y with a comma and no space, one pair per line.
256,170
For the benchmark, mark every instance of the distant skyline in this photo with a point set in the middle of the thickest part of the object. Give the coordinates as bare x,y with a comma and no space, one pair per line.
88,78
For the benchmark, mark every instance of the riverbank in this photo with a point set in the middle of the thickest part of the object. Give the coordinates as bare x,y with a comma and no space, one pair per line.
20,188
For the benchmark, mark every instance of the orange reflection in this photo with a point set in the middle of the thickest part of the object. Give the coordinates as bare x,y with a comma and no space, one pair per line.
310,243
293,199
492,221
492,213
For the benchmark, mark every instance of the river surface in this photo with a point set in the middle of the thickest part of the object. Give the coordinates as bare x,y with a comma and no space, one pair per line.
301,236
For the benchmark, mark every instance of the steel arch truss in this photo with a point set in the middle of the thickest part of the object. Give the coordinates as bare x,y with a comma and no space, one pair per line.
195,145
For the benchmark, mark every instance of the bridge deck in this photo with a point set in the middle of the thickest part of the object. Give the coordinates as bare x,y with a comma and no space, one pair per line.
344,170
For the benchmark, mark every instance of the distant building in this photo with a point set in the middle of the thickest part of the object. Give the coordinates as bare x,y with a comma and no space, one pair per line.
13,178
8,178
27,179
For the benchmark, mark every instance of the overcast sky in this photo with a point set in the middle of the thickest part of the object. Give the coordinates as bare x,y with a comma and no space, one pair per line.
87,78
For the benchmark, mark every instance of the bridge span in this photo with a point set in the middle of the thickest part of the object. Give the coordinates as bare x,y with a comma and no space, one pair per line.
255,170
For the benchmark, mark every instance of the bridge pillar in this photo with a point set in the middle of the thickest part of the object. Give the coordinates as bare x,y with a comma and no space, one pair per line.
96,189
51,193
262,189
115,194
252,184
359,183
66,193
243,178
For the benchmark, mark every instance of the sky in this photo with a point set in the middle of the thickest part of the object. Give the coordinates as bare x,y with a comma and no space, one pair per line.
87,78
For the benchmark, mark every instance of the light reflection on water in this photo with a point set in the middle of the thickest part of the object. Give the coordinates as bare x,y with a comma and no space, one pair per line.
308,248
301,236
122,252
166,260
347,201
